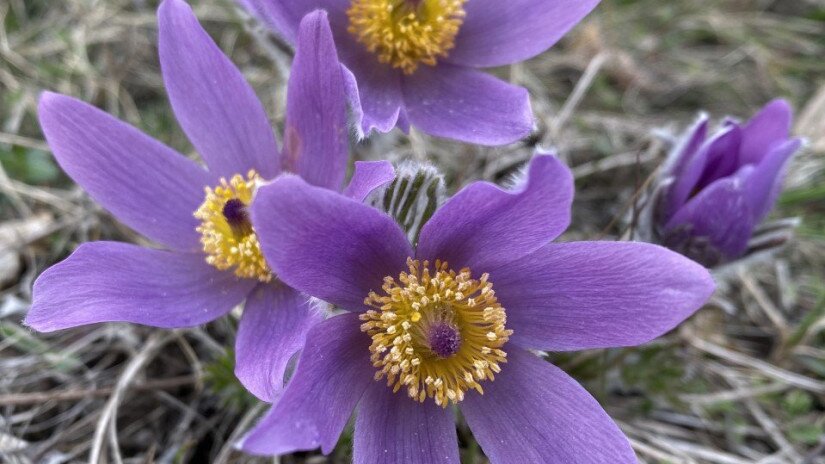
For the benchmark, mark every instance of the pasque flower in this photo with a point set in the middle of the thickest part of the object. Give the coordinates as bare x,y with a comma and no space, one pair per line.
717,189
210,259
450,321
416,61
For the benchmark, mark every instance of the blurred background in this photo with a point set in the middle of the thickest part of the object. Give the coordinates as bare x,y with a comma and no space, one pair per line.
743,381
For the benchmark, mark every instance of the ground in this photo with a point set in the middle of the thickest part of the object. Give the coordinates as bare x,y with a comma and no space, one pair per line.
742,381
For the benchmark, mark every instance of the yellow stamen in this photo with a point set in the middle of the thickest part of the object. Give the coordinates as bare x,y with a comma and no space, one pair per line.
406,33
228,237
436,332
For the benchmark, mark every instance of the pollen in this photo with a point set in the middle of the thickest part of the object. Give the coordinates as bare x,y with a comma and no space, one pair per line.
406,33
227,235
435,332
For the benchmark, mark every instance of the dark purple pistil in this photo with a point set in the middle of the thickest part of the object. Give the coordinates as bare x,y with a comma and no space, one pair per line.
236,215
445,340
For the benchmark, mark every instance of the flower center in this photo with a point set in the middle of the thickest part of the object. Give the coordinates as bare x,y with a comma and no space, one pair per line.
234,211
227,235
406,33
445,340
436,332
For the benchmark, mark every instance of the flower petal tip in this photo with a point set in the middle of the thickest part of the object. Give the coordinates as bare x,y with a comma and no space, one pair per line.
47,98
51,104
168,7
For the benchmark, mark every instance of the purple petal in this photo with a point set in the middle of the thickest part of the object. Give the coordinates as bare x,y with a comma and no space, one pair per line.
690,144
216,107
332,373
285,15
316,140
764,184
273,326
771,125
374,90
687,182
678,162
325,244
484,226
368,176
585,295
111,281
534,412
468,105
147,185
719,215
497,33
392,428
722,157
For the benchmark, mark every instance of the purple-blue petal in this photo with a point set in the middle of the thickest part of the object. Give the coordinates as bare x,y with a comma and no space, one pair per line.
316,138
145,184
214,105
325,244
686,183
392,428
368,176
688,146
497,33
332,373
484,226
586,295
119,282
273,327
468,105
535,413
767,128
722,157
715,224
374,89
764,184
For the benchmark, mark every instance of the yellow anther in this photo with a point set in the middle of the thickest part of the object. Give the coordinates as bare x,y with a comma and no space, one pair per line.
406,33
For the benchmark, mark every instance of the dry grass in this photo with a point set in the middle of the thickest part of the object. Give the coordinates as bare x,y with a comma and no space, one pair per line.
741,382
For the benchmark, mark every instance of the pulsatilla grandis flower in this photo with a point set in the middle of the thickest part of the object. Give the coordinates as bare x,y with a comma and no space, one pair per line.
416,61
210,259
450,321
717,190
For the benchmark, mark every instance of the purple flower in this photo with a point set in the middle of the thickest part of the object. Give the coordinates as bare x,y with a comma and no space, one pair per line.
415,61
439,323
212,262
717,190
